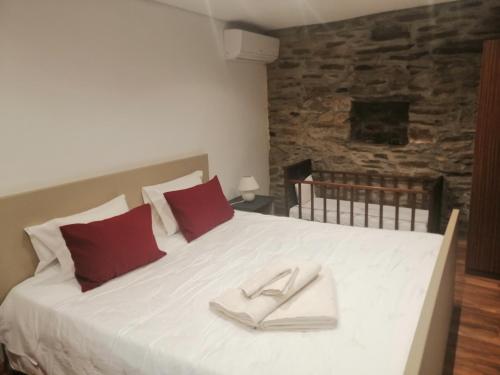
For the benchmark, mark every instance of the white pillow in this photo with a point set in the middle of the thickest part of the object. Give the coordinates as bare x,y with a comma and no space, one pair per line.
164,222
49,244
305,190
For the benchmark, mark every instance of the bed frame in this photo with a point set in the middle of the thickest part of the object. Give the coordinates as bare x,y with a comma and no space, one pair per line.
396,190
17,258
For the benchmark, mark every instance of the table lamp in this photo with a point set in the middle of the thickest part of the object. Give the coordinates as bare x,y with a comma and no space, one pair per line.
247,188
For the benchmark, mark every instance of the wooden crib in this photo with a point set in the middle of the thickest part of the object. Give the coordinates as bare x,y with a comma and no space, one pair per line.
364,199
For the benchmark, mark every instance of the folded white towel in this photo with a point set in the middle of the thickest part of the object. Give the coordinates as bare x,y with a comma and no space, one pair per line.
313,307
280,286
274,279
235,305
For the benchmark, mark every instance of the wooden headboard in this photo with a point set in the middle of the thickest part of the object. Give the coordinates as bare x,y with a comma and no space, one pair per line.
17,257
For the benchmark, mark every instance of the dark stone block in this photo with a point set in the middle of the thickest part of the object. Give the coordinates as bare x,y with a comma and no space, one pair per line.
427,28
332,67
335,44
384,49
288,65
435,36
389,31
409,56
465,4
376,82
414,164
422,110
364,67
455,48
414,16
457,138
489,25
301,51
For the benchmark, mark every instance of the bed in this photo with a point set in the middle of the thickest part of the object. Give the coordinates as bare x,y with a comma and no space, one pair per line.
364,199
394,289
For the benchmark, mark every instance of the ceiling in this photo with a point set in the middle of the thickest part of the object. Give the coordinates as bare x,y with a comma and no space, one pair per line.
278,14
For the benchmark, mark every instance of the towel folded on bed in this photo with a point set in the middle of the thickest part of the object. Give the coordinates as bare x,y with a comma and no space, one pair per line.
280,286
313,307
254,312
275,279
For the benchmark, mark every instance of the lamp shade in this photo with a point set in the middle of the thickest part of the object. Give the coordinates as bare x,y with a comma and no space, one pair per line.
248,183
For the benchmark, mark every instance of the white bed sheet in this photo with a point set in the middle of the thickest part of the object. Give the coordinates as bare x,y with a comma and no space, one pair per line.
156,320
389,214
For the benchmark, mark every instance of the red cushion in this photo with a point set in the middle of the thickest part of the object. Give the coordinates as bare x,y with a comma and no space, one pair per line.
200,208
103,250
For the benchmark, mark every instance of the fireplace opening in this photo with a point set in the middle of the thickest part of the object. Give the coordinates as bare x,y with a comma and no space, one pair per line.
380,122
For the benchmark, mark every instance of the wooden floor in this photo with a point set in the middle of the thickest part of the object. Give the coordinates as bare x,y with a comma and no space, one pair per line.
474,341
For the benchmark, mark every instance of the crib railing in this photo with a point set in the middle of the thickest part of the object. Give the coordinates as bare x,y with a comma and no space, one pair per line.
414,192
381,180
345,191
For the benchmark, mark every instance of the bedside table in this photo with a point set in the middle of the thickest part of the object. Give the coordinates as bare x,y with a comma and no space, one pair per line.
262,204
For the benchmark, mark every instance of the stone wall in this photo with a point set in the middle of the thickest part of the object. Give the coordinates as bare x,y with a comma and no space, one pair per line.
428,56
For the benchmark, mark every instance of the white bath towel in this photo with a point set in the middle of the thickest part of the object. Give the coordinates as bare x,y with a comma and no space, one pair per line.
280,286
235,305
313,307
274,279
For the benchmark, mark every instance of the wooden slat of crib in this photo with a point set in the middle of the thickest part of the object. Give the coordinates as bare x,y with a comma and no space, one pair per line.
369,182
332,178
381,210
312,202
300,200
356,182
322,176
396,185
381,198
425,197
396,198
338,205
344,180
352,206
413,209
324,204
367,192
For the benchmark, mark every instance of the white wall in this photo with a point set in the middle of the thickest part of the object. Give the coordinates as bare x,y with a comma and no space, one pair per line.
89,87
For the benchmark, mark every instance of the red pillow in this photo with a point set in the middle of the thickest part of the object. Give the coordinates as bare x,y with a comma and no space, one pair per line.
103,250
200,208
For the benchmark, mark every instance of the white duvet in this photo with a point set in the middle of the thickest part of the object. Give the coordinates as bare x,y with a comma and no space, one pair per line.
156,320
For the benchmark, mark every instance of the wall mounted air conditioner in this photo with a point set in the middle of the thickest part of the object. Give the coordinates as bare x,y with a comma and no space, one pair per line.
246,46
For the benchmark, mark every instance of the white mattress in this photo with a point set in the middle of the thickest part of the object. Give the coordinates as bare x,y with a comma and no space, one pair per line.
389,214
156,320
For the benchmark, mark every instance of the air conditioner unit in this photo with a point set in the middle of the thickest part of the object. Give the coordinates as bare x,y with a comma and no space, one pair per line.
246,46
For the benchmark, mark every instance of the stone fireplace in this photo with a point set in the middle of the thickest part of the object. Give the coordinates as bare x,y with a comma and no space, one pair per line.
379,122
387,93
